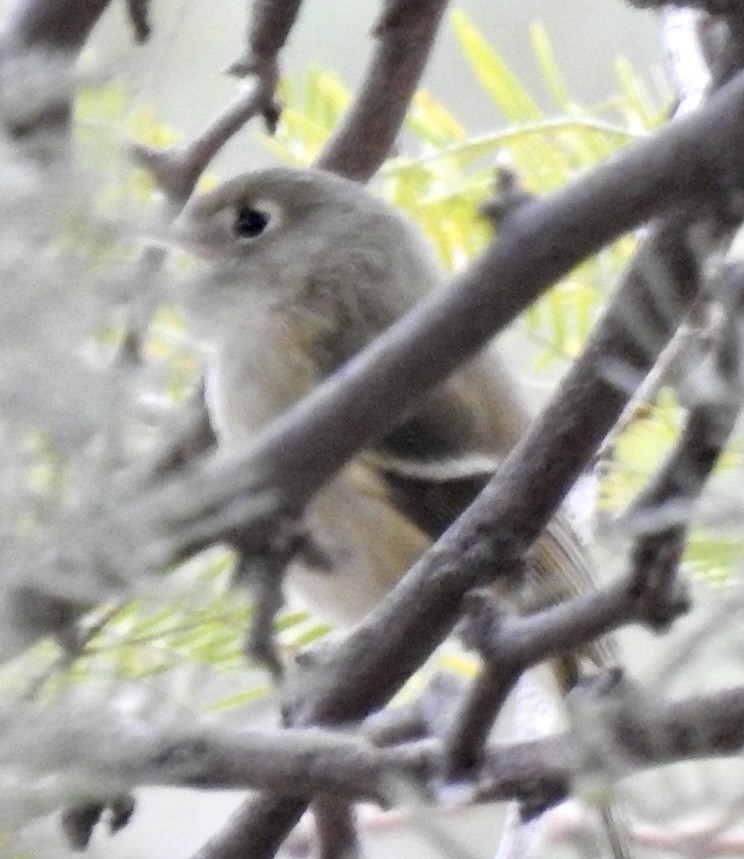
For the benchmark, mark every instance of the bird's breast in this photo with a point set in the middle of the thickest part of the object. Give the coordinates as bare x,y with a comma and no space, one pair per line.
256,374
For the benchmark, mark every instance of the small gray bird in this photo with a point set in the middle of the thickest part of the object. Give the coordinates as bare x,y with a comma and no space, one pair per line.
304,269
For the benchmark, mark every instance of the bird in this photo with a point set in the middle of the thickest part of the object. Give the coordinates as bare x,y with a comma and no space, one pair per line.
302,269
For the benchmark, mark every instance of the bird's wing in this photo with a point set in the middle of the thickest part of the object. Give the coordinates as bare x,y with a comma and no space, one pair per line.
439,459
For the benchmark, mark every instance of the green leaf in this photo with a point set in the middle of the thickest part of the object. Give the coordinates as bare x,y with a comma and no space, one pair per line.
432,122
638,103
551,72
513,99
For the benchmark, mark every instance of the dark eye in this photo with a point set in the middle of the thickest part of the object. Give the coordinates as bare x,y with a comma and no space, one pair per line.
250,222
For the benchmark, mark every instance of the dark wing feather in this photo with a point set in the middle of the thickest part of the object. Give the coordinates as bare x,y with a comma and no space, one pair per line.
439,459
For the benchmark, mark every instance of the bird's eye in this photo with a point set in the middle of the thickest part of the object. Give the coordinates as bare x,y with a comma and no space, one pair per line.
250,222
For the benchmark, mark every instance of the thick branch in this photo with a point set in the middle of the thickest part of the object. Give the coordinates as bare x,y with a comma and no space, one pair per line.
640,730
270,24
335,825
42,39
54,25
405,33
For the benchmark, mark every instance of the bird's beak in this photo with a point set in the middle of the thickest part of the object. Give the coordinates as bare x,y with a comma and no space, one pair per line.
195,236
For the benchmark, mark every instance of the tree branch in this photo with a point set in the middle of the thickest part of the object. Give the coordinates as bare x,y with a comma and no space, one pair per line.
41,41
177,170
139,17
123,753
335,824
405,32
662,514
54,25
269,27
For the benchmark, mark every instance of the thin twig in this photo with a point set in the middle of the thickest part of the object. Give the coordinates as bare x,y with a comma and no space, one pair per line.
177,170
662,513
